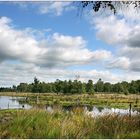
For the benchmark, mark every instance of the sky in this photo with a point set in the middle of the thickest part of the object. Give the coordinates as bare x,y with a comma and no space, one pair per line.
59,40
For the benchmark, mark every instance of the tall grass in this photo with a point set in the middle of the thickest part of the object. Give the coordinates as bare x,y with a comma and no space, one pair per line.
42,124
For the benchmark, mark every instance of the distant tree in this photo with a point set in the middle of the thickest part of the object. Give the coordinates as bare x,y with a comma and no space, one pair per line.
70,85
59,86
125,91
42,87
107,87
36,87
90,87
30,88
14,88
125,87
99,86
138,86
22,87
133,87
53,87
83,88
74,87
65,87
36,81
118,88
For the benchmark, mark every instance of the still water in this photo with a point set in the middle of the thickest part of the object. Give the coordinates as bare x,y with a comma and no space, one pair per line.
7,102
105,111
95,111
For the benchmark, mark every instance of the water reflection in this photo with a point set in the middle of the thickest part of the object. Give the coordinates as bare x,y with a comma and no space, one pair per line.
49,109
104,111
8,102
95,111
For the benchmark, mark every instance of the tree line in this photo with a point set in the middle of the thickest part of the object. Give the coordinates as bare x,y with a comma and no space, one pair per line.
76,87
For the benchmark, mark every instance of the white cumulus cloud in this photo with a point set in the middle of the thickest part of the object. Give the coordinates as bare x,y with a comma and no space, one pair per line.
55,8
122,33
57,50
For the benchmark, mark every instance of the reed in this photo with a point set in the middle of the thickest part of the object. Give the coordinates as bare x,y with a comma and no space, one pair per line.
37,123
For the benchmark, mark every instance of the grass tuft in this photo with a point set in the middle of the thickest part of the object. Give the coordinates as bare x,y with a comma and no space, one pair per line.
37,123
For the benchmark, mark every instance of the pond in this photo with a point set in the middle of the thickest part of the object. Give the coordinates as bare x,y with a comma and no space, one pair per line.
8,102
95,111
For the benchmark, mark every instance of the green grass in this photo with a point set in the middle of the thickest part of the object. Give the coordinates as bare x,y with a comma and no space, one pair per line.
104,100
42,124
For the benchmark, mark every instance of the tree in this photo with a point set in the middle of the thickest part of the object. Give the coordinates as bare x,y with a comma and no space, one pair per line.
59,86
65,87
133,87
74,88
36,88
138,85
14,88
69,86
125,87
81,87
125,91
90,87
99,86
118,88
107,87
36,81
112,5
30,88
22,87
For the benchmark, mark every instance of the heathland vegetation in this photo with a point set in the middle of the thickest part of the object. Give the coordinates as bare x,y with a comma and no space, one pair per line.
100,100
59,124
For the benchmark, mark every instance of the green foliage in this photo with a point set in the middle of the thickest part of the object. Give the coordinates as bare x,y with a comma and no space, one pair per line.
90,87
40,124
36,86
22,87
107,87
76,87
99,86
